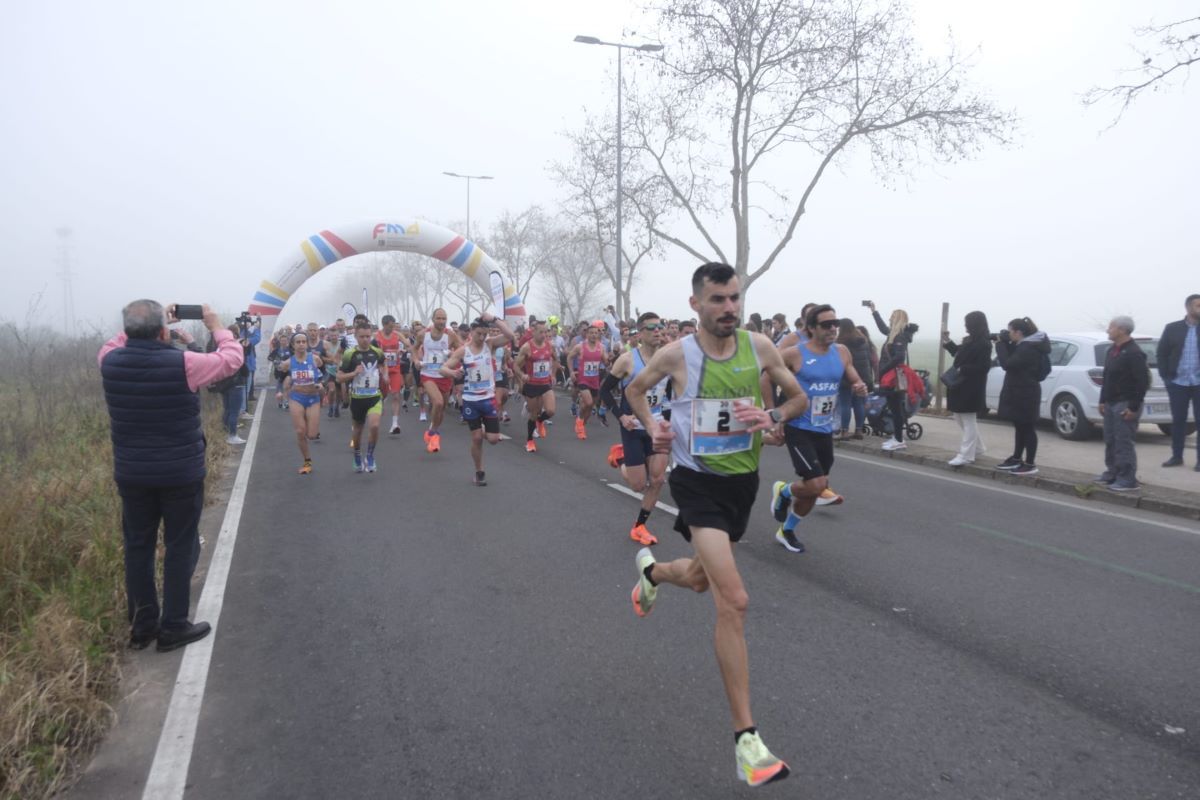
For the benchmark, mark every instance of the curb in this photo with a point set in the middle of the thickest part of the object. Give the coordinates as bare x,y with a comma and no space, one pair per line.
1079,485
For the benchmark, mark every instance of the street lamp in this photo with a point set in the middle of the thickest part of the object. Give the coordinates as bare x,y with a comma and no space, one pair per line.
469,178
645,48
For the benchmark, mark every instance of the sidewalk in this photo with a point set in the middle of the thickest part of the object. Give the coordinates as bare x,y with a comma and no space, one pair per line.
1063,467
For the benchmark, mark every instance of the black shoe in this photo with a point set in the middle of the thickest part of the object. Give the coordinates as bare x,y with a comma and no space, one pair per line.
1174,461
140,641
789,541
1024,469
1011,463
480,478
174,639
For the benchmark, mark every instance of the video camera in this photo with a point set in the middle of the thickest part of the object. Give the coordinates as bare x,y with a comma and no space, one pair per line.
244,320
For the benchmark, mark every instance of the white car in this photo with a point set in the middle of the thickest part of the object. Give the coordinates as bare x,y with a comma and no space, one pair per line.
1071,393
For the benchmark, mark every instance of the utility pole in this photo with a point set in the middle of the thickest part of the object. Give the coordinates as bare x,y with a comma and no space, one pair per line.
64,272
469,178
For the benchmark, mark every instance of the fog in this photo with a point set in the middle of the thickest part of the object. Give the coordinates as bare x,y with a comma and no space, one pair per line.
187,147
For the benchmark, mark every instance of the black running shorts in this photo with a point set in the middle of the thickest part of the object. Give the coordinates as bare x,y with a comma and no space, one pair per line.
638,447
723,502
360,407
535,390
811,452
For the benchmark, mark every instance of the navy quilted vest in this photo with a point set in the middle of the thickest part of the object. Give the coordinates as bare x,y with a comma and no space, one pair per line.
157,435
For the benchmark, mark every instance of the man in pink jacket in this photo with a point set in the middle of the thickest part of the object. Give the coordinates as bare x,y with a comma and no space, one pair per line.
158,461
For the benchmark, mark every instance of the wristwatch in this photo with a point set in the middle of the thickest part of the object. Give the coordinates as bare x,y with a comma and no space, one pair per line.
773,413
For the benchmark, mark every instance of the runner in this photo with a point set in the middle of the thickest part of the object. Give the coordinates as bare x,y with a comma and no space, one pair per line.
364,368
406,376
589,356
502,354
302,388
392,342
643,470
536,360
437,343
714,435
818,366
333,387
475,363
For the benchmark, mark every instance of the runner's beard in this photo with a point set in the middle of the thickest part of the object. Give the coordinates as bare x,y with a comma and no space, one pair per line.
717,328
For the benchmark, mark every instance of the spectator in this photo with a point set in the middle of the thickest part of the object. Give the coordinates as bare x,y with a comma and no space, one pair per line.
779,328
1126,379
848,400
232,389
1179,365
972,361
870,344
250,330
892,356
1023,352
158,461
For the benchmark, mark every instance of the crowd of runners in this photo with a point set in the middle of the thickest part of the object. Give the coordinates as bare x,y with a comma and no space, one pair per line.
691,403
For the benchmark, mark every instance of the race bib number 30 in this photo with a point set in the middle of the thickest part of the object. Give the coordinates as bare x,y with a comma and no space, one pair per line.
716,431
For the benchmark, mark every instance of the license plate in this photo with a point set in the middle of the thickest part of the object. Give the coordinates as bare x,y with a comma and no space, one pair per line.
1155,408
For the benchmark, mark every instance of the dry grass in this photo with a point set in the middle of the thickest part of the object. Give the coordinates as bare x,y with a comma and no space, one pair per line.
62,601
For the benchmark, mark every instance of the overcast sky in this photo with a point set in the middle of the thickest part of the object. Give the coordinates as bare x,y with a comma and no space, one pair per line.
189,146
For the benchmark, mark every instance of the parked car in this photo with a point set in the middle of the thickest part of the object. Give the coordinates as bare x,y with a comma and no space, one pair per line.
1071,393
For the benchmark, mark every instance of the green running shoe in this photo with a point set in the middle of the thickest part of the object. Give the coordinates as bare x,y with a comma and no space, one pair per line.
644,592
756,764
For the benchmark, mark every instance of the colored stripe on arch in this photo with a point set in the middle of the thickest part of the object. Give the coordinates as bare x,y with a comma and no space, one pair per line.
340,245
314,261
449,250
324,249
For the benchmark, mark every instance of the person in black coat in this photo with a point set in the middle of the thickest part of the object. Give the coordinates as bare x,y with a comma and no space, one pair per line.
1021,350
850,338
1178,356
894,354
972,360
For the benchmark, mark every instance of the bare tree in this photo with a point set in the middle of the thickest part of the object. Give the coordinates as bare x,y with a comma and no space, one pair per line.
589,177
1172,48
747,84
571,284
524,244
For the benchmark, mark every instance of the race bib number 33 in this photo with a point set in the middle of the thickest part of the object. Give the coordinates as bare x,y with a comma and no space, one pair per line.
716,431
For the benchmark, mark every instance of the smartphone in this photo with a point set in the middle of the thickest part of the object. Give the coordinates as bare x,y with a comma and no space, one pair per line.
866,303
188,312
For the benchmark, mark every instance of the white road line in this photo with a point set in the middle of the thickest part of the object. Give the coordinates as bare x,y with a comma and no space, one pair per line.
1033,494
672,510
168,773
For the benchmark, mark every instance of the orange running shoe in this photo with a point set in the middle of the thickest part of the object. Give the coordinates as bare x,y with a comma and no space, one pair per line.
580,429
642,535
435,443
426,435
616,455
530,447
541,428
306,469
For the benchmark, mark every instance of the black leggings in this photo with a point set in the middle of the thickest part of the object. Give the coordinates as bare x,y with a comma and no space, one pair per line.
1025,441
895,402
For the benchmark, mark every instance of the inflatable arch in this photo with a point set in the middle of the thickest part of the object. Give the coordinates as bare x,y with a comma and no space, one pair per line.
413,236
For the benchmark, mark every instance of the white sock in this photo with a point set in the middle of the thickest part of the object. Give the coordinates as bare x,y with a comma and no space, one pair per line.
395,421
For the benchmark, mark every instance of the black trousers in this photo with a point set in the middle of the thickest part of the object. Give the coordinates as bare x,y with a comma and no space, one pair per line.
1025,441
177,510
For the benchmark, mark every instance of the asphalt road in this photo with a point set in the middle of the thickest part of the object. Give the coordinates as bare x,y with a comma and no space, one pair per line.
405,634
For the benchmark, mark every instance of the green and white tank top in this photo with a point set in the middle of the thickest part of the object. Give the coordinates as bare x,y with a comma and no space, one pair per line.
708,438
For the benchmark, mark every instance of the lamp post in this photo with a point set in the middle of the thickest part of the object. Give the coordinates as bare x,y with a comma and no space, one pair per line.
469,178
645,48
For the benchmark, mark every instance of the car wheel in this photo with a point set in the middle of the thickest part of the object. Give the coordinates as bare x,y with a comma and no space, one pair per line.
1069,419
1188,429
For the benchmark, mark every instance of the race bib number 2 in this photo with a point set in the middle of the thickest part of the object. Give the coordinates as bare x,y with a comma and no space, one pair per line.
715,429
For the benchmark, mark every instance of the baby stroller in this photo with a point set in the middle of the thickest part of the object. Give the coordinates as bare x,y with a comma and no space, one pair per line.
879,418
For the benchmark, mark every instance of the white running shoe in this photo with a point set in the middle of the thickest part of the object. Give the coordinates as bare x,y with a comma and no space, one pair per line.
892,444
235,440
958,461
424,416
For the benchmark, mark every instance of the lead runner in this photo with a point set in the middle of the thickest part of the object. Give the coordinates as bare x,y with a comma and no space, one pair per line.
717,417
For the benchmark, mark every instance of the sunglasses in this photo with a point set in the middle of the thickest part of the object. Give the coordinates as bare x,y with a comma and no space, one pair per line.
828,324
655,327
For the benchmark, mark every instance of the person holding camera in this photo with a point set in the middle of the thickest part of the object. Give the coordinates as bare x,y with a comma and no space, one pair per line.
158,459
1024,354
232,389
250,334
892,357
965,395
